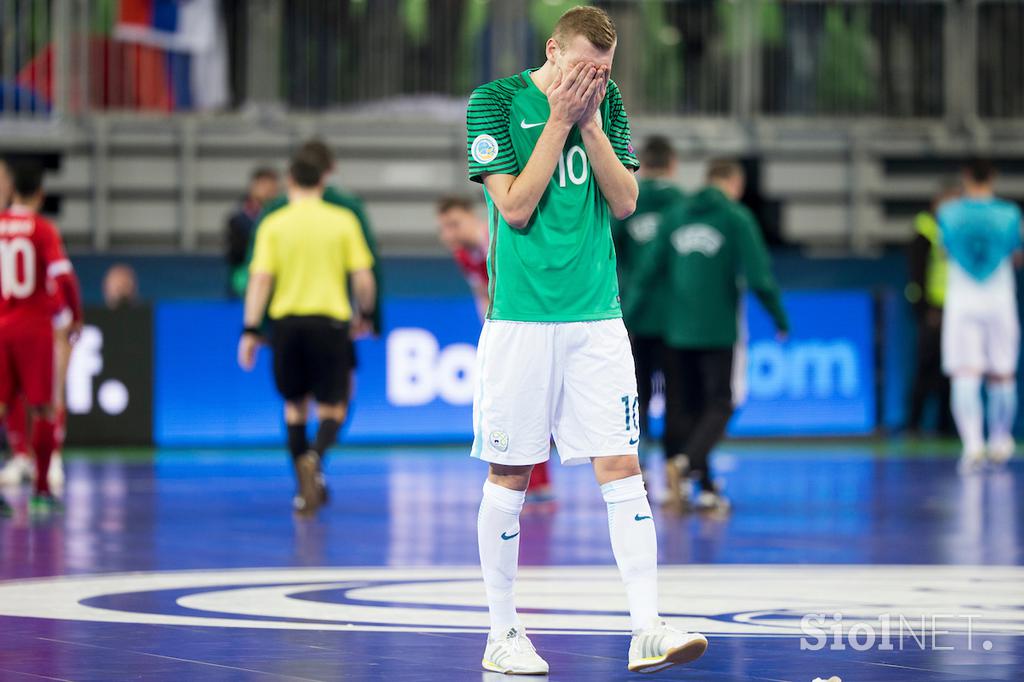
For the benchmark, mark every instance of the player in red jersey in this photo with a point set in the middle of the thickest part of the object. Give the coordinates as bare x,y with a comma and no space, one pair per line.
465,236
19,468
33,266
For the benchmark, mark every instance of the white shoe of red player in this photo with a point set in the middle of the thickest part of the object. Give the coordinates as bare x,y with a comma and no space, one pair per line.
17,470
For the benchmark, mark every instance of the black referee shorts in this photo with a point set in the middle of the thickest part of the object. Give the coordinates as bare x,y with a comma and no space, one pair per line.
313,355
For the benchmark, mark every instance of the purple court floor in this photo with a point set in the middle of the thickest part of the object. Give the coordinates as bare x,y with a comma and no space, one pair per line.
868,563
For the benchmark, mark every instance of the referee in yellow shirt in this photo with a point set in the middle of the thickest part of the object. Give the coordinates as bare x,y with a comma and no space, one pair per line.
305,254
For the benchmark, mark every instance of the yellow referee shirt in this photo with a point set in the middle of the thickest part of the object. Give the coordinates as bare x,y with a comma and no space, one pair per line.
310,247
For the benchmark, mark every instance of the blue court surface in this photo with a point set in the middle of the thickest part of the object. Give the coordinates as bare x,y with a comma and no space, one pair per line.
865,562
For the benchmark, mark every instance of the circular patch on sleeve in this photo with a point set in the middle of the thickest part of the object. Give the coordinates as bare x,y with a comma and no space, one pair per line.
484,149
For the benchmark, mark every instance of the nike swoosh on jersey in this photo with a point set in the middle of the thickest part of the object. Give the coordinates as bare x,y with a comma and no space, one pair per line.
640,518
526,125
634,441
506,536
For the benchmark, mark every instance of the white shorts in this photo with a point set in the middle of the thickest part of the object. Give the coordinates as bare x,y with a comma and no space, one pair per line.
979,340
570,381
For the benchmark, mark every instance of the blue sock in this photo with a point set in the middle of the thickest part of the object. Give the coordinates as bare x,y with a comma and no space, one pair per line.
1002,408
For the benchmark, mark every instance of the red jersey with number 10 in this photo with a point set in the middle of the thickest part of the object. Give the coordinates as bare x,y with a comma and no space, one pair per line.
31,258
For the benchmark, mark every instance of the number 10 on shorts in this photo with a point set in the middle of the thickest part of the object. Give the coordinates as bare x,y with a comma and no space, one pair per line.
631,403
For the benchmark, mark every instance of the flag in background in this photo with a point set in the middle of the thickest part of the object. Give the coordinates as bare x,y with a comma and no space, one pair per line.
191,33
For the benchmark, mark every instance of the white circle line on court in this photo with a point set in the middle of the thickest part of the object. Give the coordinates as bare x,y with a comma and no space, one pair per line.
719,600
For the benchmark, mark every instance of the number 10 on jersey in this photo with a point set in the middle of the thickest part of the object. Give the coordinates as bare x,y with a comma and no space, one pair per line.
574,165
15,284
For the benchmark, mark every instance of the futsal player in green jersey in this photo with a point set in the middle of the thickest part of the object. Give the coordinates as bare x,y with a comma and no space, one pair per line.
552,148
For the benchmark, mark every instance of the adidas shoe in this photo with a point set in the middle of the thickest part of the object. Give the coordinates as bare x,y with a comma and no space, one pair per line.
513,654
661,646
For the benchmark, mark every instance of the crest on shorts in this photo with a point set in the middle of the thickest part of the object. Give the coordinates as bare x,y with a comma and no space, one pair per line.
499,441
484,149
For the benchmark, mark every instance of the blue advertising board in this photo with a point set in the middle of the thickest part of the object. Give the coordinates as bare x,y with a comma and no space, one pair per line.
818,382
415,384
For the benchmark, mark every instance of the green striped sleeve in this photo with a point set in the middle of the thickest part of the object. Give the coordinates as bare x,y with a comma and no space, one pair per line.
617,128
488,141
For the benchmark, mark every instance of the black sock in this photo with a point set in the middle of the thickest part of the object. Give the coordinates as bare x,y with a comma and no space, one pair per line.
325,436
298,443
705,481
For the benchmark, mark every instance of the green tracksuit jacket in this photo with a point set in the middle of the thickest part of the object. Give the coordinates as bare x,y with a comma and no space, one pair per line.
703,249
634,246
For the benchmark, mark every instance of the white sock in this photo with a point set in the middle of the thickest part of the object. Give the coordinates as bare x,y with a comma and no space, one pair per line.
1002,409
499,557
965,402
635,545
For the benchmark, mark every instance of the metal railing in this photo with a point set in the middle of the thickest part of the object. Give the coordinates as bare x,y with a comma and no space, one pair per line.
743,59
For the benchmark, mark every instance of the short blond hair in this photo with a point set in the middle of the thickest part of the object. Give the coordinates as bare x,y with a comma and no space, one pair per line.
592,23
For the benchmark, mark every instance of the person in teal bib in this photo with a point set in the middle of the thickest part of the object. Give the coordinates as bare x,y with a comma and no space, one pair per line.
552,148
980,323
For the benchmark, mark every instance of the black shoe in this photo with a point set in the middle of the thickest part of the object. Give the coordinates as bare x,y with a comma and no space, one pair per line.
5,509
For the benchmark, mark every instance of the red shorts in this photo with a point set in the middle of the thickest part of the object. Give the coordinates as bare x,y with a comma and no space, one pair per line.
26,365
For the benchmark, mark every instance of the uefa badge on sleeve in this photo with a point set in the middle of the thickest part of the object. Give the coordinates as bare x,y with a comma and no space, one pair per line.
484,149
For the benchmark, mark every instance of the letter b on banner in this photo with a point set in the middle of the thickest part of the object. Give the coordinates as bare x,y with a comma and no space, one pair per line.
420,371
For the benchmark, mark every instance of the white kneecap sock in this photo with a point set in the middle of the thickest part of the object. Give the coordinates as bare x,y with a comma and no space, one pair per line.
498,536
1002,409
966,405
635,545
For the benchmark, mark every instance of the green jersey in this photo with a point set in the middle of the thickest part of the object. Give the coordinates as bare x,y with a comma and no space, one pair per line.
561,266
703,249
634,245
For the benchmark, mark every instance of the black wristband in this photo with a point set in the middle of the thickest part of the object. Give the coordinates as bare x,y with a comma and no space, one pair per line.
255,331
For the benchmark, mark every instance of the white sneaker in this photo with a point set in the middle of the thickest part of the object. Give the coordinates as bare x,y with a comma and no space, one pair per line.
1001,450
712,501
55,474
513,654
19,469
971,463
660,646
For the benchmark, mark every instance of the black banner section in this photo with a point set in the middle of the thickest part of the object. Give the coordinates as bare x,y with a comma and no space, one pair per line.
110,379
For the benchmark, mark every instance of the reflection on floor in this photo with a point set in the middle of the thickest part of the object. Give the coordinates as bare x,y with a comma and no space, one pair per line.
922,565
